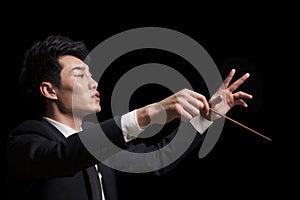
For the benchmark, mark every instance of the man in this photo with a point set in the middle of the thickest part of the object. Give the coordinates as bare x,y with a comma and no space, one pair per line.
47,158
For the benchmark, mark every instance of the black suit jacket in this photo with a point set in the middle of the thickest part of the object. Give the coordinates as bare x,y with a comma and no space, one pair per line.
43,164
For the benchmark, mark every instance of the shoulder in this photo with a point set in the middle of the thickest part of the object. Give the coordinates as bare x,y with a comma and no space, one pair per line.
32,126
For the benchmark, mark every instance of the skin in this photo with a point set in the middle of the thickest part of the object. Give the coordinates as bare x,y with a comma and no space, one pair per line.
187,104
225,98
78,96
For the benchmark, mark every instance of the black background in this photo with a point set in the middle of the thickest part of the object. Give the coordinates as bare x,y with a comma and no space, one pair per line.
241,164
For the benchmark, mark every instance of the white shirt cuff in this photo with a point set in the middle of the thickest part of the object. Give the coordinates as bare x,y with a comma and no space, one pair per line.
200,123
130,126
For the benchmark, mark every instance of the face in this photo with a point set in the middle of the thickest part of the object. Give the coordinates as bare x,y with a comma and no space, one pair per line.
78,92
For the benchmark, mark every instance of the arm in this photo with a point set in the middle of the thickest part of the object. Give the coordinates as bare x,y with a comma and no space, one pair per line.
184,104
188,105
38,150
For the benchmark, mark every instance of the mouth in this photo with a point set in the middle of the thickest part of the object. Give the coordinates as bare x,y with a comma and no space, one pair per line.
96,96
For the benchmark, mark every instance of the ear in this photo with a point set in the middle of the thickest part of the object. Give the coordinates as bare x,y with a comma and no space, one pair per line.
48,90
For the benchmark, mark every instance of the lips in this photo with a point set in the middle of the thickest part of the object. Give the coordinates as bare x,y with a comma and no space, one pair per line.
96,95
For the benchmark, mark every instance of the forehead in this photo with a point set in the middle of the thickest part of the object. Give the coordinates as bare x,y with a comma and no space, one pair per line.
69,62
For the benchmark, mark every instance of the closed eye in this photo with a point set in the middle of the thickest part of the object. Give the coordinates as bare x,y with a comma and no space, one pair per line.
80,75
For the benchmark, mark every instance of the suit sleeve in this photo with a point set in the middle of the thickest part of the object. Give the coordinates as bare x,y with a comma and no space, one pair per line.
160,157
37,150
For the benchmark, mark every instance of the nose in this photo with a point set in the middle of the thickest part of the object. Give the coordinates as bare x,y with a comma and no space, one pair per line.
93,84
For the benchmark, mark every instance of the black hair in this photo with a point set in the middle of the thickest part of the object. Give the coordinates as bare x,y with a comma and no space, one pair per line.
41,64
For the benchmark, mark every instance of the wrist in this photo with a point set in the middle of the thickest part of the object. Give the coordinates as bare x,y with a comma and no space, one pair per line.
143,116
151,114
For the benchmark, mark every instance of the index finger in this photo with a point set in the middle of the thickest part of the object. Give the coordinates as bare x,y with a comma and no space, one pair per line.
228,78
201,98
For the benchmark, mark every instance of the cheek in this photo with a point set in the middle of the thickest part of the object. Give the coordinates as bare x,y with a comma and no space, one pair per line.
79,88
81,94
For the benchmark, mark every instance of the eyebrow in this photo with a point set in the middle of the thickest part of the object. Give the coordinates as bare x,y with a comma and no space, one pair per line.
78,68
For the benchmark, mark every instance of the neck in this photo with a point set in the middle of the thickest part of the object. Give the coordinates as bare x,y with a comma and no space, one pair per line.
66,119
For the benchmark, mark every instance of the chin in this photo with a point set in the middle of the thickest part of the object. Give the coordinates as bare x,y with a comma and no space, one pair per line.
98,109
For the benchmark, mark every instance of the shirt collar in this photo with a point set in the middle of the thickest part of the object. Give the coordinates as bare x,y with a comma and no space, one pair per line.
65,130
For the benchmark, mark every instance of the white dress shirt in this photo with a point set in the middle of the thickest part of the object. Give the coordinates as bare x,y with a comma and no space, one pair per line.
131,128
